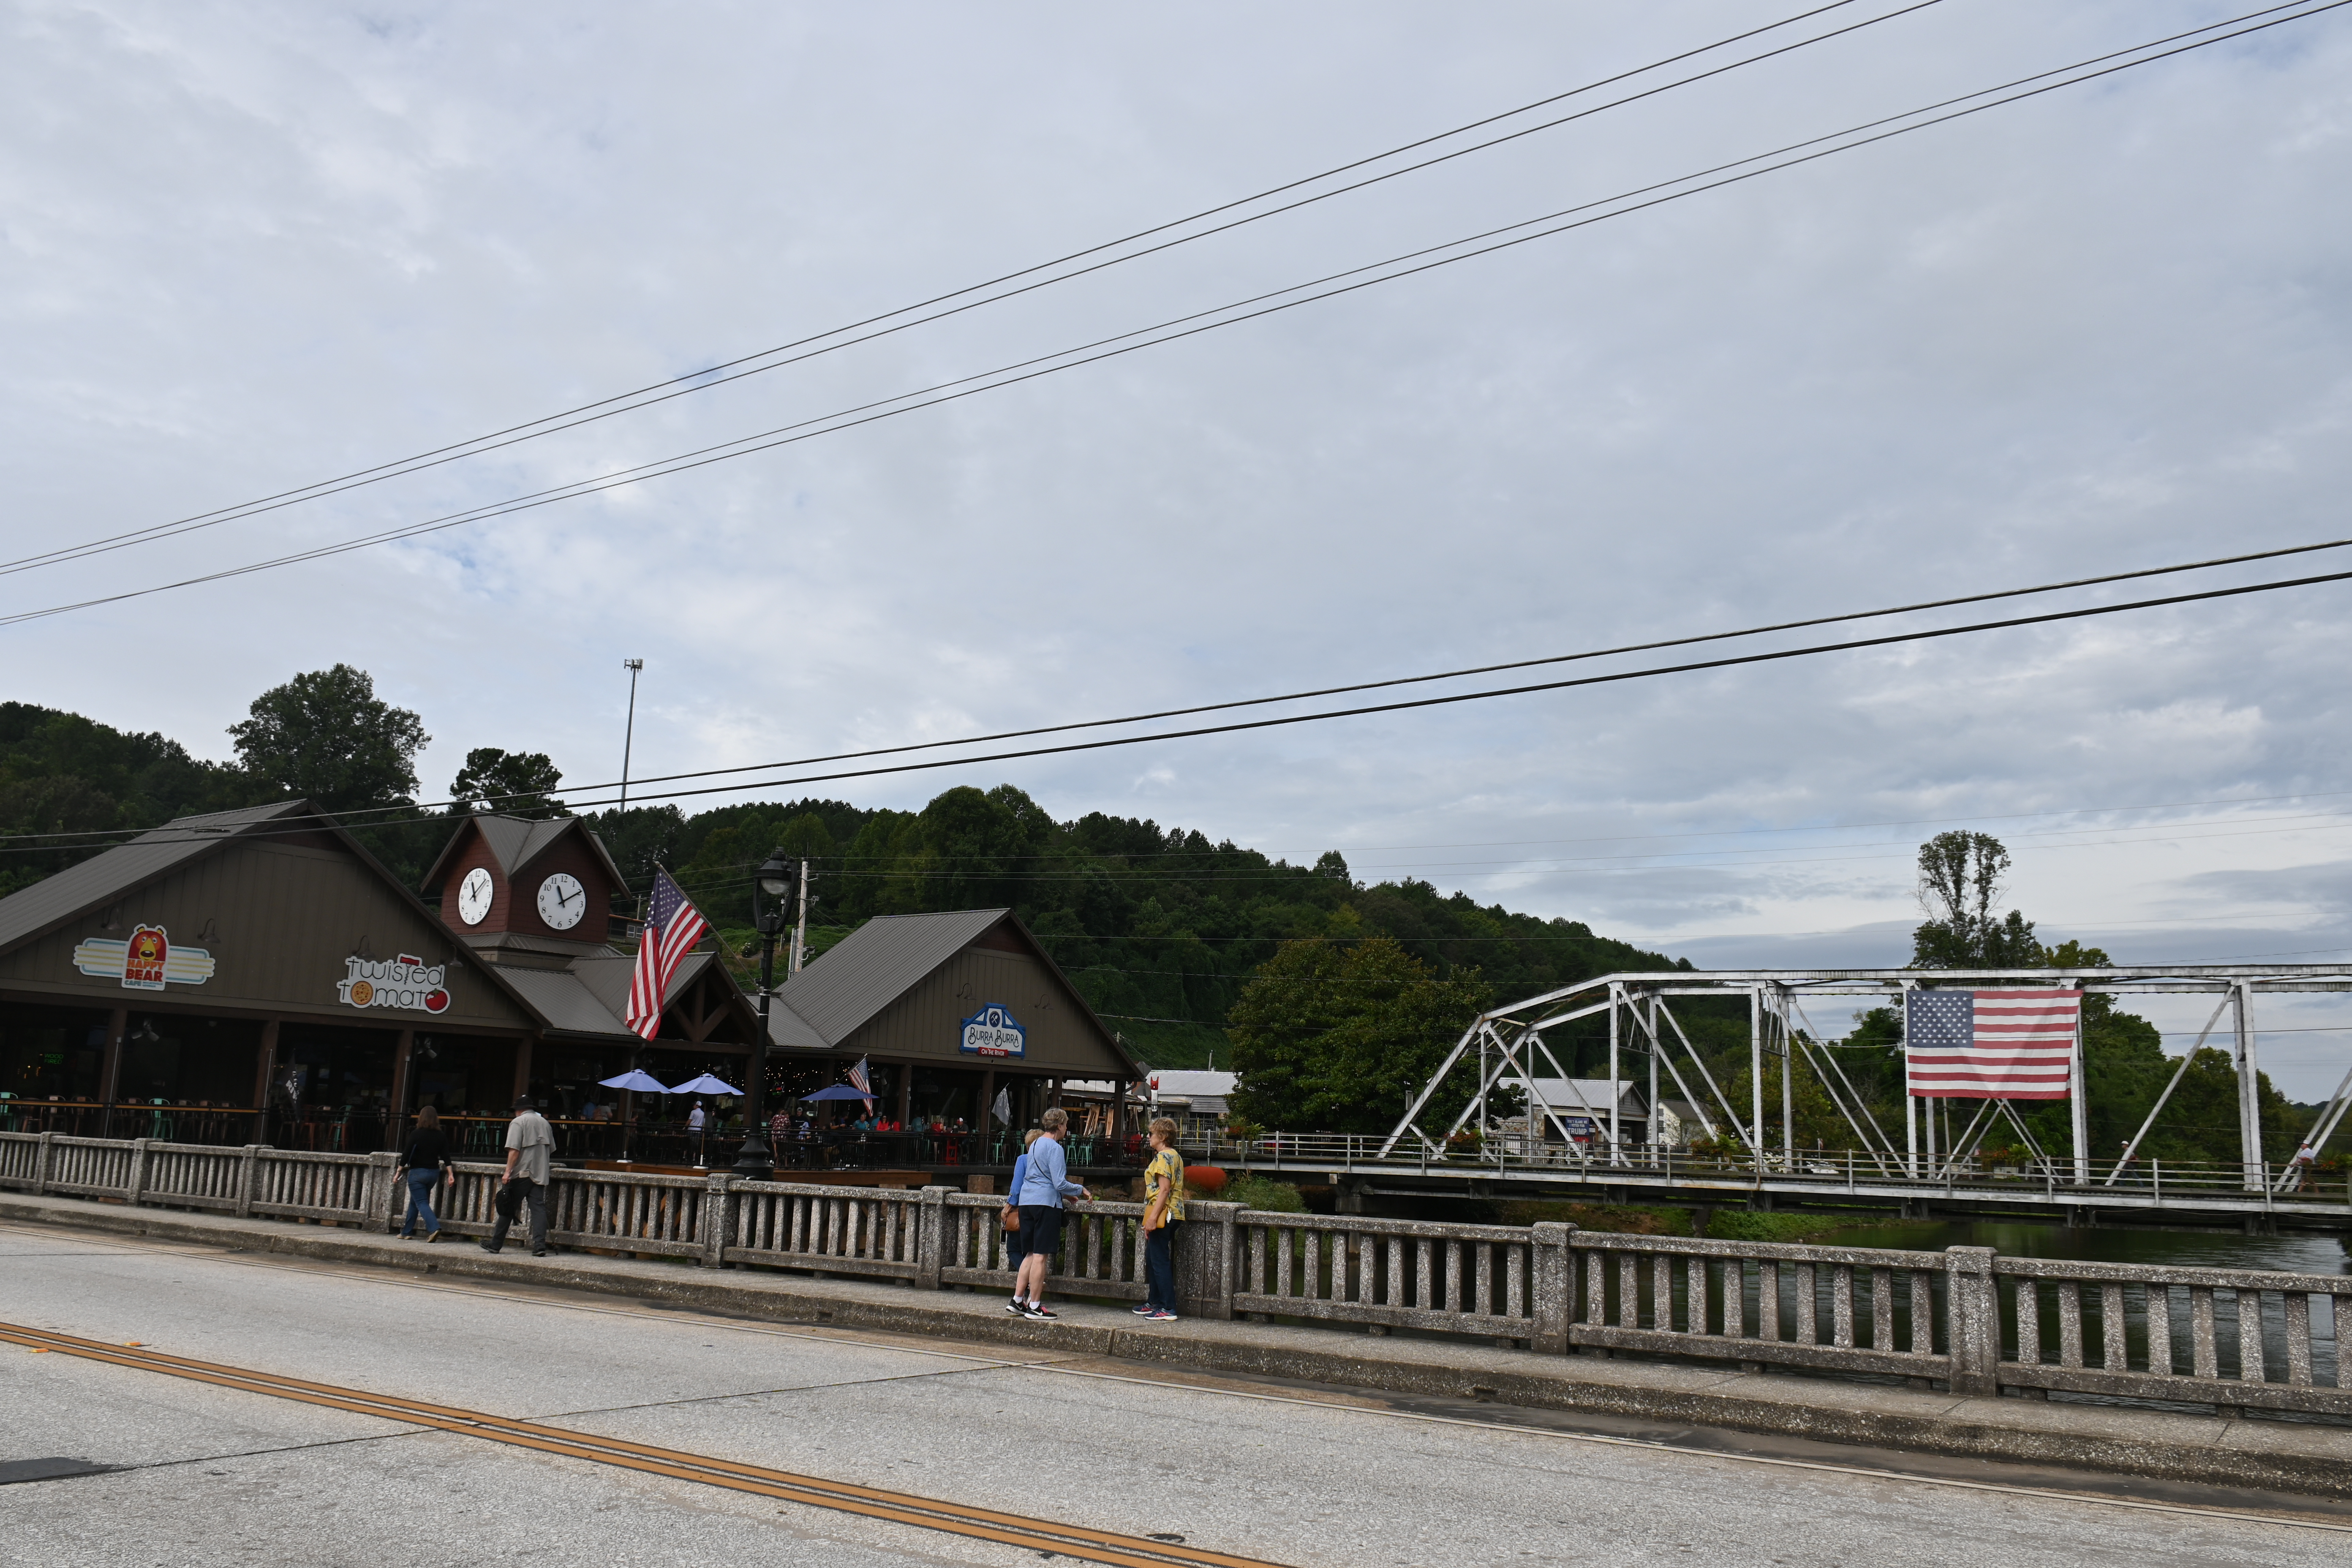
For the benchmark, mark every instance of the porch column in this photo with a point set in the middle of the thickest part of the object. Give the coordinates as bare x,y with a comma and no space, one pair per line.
987,1101
522,1064
403,1048
265,1070
906,1091
109,1066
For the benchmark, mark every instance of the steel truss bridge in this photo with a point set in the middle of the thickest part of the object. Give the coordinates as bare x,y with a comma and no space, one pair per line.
1923,1162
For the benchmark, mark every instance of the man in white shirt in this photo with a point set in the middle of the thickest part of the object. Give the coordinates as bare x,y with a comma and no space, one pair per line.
530,1158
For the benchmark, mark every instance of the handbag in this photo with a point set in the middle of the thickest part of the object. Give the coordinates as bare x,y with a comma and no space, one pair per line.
1010,1220
509,1203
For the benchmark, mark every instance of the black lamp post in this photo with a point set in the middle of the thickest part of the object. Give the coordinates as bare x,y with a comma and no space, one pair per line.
771,887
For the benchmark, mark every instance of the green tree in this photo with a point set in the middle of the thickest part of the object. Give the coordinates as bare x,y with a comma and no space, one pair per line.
520,784
325,736
1960,877
1338,1038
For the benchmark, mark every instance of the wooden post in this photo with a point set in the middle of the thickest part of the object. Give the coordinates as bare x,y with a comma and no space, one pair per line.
403,1049
265,1069
522,1064
110,1067
906,1092
987,1101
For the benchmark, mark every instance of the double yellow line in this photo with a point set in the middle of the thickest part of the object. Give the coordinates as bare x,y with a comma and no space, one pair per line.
897,1507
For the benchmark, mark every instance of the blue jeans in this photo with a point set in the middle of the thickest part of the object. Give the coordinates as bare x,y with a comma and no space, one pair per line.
420,1201
1160,1267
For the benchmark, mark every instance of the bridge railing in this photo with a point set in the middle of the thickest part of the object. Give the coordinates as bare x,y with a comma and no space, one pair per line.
1966,1319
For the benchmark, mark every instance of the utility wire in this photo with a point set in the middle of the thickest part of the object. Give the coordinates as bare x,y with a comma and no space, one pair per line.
1733,661
1175,329
703,380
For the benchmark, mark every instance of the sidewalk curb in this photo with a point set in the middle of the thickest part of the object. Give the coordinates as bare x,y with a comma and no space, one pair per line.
2281,1456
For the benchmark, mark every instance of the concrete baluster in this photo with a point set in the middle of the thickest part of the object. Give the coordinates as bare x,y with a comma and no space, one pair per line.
135,1186
930,1216
718,1216
1972,1303
41,1164
380,1194
247,1164
1554,1288
1205,1264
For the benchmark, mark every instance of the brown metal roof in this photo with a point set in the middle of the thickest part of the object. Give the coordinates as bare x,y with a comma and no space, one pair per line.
95,883
874,966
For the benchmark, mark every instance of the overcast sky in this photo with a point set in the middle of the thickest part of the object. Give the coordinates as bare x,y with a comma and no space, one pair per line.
246,249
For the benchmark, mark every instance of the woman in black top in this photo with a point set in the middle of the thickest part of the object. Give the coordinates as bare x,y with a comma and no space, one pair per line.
425,1162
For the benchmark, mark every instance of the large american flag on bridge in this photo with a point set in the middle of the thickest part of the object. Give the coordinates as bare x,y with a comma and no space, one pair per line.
1991,1045
673,926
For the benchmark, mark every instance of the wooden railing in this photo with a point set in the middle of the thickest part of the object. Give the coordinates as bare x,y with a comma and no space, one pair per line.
1966,1319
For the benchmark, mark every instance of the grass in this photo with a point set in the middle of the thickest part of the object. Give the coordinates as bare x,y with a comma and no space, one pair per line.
1259,1192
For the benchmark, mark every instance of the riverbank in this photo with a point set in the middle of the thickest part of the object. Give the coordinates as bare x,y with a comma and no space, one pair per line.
2055,1436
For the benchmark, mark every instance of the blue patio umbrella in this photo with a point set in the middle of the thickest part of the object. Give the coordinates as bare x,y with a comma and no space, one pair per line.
637,1079
838,1091
707,1084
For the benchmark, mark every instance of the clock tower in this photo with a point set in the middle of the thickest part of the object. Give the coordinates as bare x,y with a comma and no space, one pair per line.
534,894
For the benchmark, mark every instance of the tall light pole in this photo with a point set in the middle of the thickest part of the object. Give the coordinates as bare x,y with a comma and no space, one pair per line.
629,736
771,887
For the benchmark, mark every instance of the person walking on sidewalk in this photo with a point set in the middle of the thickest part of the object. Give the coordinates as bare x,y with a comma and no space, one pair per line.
1046,1186
530,1158
1011,1218
426,1164
1163,1211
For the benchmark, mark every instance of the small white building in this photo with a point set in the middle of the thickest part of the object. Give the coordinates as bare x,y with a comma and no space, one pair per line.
1196,1098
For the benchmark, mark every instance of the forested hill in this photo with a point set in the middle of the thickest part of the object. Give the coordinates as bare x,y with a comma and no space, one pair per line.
1158,926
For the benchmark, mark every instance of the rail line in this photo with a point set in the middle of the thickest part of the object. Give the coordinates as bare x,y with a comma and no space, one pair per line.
1080,1541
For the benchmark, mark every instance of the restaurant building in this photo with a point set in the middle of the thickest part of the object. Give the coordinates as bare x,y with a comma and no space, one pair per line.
257,976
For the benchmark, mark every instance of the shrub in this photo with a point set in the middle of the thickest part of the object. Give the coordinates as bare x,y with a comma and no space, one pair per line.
1260,1193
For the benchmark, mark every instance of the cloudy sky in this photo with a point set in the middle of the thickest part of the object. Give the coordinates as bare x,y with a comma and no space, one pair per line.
245,249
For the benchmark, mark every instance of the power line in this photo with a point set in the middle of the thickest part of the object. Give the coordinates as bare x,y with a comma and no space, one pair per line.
1114,347
703,380
1733,661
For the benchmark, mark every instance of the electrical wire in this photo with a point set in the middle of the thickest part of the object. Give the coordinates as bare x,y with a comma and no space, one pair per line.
702,380
1733,661
1176,330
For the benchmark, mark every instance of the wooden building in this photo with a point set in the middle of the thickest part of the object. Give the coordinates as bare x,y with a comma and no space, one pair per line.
257,975
948,1010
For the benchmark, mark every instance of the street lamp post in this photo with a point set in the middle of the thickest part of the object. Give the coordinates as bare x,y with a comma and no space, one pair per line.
772,886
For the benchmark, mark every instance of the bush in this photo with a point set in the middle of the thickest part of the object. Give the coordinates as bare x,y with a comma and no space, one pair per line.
1746,1224
1626,1219
1260,1193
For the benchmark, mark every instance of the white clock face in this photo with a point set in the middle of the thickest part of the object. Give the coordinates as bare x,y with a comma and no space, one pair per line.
561,901
474,897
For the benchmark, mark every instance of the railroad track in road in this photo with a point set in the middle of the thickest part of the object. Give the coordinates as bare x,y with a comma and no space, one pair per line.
1076,1540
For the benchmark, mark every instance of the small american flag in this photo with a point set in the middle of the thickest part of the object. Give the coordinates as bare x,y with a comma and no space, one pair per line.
858,1080
673,926
1991,1045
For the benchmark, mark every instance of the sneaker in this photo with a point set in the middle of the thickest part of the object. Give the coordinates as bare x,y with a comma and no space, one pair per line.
538,1252
1039,1309
488,1248
1160,1317
432,1236
1017,1307
1145,1311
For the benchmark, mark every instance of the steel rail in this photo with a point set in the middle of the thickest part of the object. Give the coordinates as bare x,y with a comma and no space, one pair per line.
1046,1536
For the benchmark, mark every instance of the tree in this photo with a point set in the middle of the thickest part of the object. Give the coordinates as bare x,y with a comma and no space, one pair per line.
1338,1038
522,783
326,737
1960,879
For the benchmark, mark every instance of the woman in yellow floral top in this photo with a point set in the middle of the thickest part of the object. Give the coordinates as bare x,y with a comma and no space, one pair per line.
1163,1210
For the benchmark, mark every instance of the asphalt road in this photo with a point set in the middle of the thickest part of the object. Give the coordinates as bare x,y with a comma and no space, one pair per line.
1300,1475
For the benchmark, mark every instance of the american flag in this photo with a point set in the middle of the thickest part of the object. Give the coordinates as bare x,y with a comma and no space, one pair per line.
673,926
858,1080
1991,1045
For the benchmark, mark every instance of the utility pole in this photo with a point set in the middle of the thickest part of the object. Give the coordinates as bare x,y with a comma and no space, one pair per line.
800,930
629,736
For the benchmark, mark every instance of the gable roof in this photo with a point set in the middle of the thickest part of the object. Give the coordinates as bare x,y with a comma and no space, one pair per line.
97,882
884,959
515,842
874,966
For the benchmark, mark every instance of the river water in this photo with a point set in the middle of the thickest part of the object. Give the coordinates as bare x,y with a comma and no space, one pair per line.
2295,1253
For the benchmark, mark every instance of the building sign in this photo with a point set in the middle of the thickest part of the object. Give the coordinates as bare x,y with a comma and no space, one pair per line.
994,1032
148,961
1580,1128
405,982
